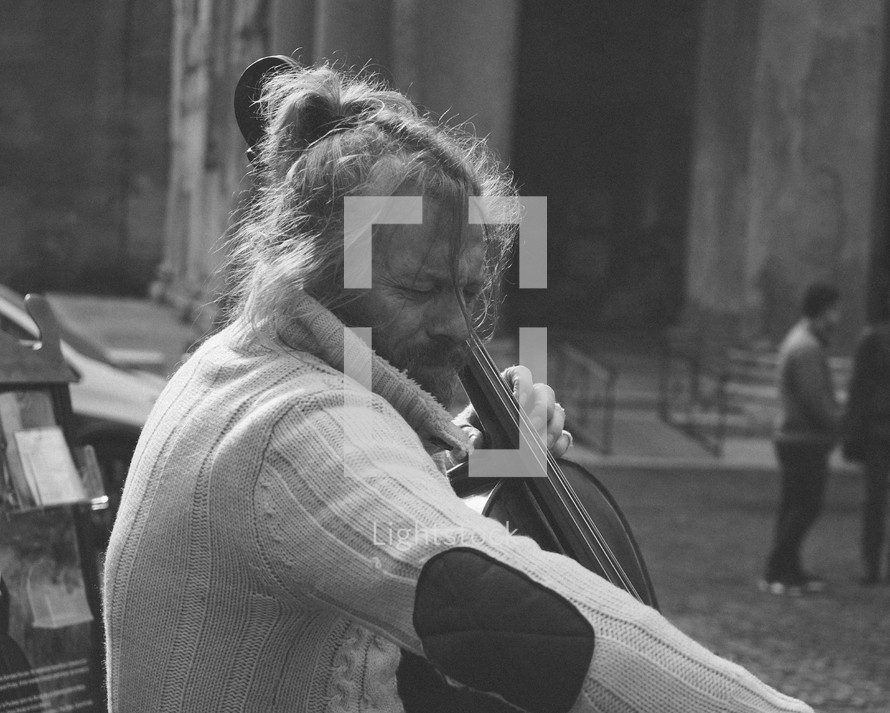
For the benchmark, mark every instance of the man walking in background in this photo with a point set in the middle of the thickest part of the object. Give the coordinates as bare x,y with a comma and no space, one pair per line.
805,436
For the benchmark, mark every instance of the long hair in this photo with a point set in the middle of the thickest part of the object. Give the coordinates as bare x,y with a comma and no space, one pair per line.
330,135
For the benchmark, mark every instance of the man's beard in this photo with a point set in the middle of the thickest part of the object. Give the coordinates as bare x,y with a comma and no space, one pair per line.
434,366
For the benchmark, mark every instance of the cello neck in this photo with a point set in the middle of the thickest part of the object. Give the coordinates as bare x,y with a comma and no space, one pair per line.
551,493
491,397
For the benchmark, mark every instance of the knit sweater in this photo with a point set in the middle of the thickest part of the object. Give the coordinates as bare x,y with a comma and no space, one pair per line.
259,560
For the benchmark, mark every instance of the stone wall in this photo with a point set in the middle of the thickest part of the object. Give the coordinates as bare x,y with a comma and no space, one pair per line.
785,162
649,219
83,143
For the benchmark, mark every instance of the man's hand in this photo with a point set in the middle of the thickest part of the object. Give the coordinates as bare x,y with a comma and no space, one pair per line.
547,417
539,403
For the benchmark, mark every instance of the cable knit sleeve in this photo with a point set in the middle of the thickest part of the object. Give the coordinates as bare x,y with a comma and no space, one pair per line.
349,508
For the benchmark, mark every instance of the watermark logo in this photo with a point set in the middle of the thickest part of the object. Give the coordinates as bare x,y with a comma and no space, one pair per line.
528,460
361,213
532,212
403,538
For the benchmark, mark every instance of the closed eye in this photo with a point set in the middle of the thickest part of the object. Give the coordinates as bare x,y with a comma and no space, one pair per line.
417,290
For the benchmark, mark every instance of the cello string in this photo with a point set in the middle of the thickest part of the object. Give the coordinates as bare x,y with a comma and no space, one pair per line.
522,421
512,409
516,414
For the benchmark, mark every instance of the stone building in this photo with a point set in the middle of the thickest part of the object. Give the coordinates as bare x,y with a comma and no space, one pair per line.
788,182
83,143
702,159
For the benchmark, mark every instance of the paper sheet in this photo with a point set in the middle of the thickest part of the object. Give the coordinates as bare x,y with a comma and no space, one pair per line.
49,468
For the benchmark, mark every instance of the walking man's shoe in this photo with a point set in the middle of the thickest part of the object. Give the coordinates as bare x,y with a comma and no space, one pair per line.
794,585
812,584
780,588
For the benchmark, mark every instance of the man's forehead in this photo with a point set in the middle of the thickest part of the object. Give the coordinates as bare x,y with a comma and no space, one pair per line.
430,247
444,225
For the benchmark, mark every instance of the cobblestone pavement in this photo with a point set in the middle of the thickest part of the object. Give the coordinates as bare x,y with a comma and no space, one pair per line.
831,650
705,536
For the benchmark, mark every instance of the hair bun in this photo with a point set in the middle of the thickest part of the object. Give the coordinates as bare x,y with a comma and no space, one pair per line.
300,119
308,118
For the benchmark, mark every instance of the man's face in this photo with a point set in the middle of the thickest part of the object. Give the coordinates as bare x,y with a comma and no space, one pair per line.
413,305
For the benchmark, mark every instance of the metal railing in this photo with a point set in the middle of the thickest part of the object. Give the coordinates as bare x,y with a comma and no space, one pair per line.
692,390
586,389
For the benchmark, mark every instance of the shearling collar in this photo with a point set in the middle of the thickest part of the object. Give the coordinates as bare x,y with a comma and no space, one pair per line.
316,330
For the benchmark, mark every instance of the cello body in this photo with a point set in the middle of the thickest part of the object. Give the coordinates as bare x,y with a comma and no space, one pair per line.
569,511
512,502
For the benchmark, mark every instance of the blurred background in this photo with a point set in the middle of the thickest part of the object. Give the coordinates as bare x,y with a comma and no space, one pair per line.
702,160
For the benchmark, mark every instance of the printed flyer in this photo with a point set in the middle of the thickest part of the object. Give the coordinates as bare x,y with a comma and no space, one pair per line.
47,649
50,657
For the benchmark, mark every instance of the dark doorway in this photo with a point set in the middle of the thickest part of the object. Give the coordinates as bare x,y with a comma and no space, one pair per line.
605,99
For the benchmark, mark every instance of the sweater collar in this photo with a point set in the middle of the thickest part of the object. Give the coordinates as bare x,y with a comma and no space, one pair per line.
318,331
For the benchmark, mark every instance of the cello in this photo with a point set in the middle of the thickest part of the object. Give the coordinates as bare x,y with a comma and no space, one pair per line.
568,512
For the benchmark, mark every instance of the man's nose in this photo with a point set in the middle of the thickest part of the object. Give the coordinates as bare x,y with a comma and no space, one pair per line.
447,320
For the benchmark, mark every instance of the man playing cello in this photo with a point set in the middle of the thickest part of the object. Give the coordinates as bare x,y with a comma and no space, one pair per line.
249,569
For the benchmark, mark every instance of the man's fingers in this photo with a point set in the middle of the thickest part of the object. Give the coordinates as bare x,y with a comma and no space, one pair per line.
476,437
538,401
520,380
555,424
562,444
541,411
